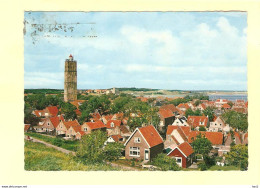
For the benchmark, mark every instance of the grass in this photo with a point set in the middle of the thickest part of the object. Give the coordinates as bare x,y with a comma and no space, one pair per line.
223,168
66,144
39,157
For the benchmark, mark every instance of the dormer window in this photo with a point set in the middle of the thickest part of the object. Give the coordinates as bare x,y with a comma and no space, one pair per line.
112,124
85,129
137,140
201,123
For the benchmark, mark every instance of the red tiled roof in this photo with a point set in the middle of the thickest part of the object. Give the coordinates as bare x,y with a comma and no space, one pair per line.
116,123
68,124
216,138
182,130
116,137
166,113
124,129
26,127
194,121
53,110
183,105
151,135
77,128
203,106
96,116
96,125
186,148
118,116
56,120
37,113
170,107
226,105
108,117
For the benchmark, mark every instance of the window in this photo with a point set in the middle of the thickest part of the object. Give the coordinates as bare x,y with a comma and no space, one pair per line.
112,124
85,129
134,152
48,124
137,140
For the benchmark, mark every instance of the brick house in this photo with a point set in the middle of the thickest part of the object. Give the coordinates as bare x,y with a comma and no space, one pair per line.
166,117
88,127
64,126
144,144
197,121
50,124
183,154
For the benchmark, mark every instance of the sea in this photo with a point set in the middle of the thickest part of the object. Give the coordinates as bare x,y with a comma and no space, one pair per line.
233,97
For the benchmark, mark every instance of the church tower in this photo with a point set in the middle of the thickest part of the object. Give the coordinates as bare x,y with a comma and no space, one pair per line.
70,80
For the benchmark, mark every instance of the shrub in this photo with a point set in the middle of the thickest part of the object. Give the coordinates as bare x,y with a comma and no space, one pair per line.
165,162
113,151
202,166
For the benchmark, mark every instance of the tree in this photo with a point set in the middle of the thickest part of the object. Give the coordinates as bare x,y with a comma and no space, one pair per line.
209,111
85,116
68,110
90,149
189,112
165,162
202,128
201,145
31,119
236,120
238,156
197,102
113,151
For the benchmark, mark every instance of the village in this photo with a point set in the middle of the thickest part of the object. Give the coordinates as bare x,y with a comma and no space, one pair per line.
191,130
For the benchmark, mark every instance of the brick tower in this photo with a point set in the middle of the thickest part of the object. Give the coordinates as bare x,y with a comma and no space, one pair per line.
70,80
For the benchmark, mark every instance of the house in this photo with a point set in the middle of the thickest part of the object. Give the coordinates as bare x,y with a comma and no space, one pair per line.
183,107
216,138
27,127
88,127
49,111
50,124
113,127
170,107
114,138
220,102
201,107
245,139
95,116
75,132
176,135
183,154
181,121
124,131
197,121
145,143
226,106
218,125
223,150
166,117
38,113
233,138
64,126
106,118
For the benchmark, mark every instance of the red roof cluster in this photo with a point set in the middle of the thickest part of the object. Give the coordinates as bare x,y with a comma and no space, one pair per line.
96,125
116,137
196,121
151,135
53,110
73,123
166,113
56,120
216,138
115,122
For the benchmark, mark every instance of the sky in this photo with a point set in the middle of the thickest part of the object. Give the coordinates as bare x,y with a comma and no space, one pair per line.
160,50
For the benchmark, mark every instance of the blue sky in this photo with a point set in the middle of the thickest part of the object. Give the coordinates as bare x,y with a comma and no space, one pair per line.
164,50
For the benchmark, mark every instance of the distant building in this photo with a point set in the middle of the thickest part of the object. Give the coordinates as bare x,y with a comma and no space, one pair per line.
70,80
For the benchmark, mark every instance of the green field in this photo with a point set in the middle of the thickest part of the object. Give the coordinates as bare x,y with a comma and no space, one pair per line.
223,168
39,157
66,144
